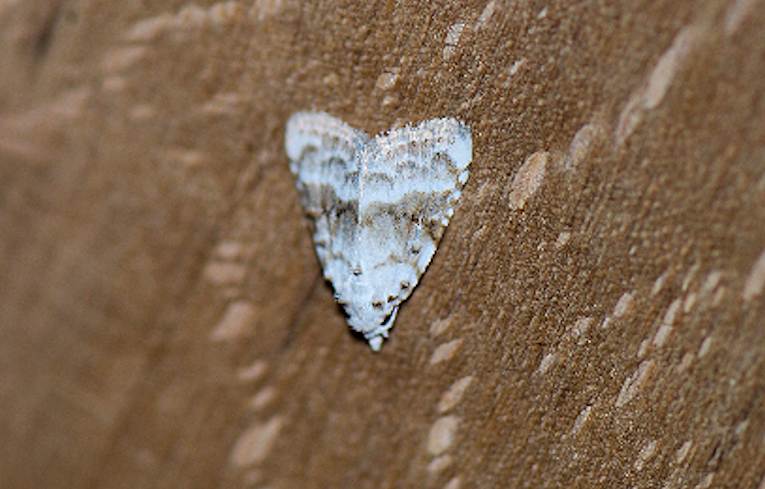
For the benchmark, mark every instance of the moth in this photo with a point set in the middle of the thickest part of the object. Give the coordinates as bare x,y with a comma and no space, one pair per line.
379,205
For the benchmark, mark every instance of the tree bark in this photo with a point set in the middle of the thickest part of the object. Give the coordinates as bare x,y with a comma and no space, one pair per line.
592,318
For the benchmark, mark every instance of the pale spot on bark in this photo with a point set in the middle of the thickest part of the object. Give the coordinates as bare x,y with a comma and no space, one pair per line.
440,326
737,14
581,419
706,481
452,39
442,434
705,346
513,69
387,79
630,118
741,427
547,362
659,283
528,179
711,283
486,15
652,93
623,305
756,280
667,324
563,238
150,28
224,273
229,250
582,144
254,444
669,64
263,9
643,348
453,396
225,12
683,451
439,464
648,450
580,328
634,382
690,276
186,157
263,398
689,302
685,362
389,100
237,321
662,334
446,351
454,483
253,372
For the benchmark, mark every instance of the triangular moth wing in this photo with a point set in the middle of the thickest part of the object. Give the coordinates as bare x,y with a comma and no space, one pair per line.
323,152
410,180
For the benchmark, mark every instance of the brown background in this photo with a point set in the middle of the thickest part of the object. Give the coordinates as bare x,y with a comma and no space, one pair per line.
593,317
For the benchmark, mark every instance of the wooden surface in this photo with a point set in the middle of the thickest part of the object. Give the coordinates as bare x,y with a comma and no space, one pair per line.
594,316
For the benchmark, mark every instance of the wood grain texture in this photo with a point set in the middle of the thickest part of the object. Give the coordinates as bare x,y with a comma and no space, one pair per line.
593,317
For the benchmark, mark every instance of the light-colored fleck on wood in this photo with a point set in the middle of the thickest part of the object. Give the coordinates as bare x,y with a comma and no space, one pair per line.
546,362
646,453
440,326
237,321
445,351
263,398
581,419
582,145
442,434
667,323
223,273
454,394
755,282
253,372
440,463
737,13
528,179
634,383
256,442
452,39
454,483
683,451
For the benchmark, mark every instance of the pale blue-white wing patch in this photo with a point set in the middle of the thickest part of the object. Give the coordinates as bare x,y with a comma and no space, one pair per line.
380,206
323,154
410,181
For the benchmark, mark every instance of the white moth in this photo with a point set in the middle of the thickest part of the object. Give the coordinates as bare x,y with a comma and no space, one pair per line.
380,206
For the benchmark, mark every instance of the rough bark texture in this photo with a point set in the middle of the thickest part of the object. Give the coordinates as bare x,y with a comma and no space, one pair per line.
593,317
